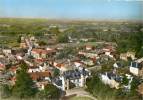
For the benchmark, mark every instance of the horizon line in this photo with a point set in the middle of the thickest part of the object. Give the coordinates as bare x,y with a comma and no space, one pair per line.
76,19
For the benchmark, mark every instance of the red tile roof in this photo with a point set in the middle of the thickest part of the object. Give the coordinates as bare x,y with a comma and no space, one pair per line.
89,46
2,65
42,51
13,79
59,65
39,60
13,68
78,61
37,75
140,89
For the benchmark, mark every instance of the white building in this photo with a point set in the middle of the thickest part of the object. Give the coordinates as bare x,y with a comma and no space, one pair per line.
7,51
136,67
111,79
76,77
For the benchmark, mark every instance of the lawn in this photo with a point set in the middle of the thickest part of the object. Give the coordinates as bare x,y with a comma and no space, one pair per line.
80,98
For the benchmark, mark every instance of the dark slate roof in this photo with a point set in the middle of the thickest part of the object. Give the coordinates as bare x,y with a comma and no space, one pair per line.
111,75
57,81
119,64
75,74
117,78
136,65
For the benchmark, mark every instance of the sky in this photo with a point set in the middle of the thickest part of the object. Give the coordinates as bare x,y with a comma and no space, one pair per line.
72,9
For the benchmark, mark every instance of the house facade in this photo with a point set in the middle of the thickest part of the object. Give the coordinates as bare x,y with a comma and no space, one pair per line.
136,68
111,79
42,53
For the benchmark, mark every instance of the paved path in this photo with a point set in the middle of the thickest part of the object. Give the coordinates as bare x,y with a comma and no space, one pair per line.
79,92
94,68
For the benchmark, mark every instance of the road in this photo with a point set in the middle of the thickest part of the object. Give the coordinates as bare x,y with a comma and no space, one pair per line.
79,92
95,68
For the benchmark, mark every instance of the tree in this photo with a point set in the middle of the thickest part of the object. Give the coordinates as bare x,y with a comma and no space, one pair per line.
24,86
67,52
5,91
19,39
62,38
54,30
123,46
90,83
42,43
56,72
99,89
140,53
38,34
50,92
125,80
136,43
135,83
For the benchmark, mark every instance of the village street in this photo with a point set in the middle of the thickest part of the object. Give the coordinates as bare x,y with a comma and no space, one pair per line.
79,92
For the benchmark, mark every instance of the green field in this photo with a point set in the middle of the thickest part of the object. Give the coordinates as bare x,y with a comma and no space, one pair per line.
80,98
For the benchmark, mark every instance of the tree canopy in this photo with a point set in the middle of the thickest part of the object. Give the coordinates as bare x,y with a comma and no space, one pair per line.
134,42
62,38
24,86
5,91
103,92
50,92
